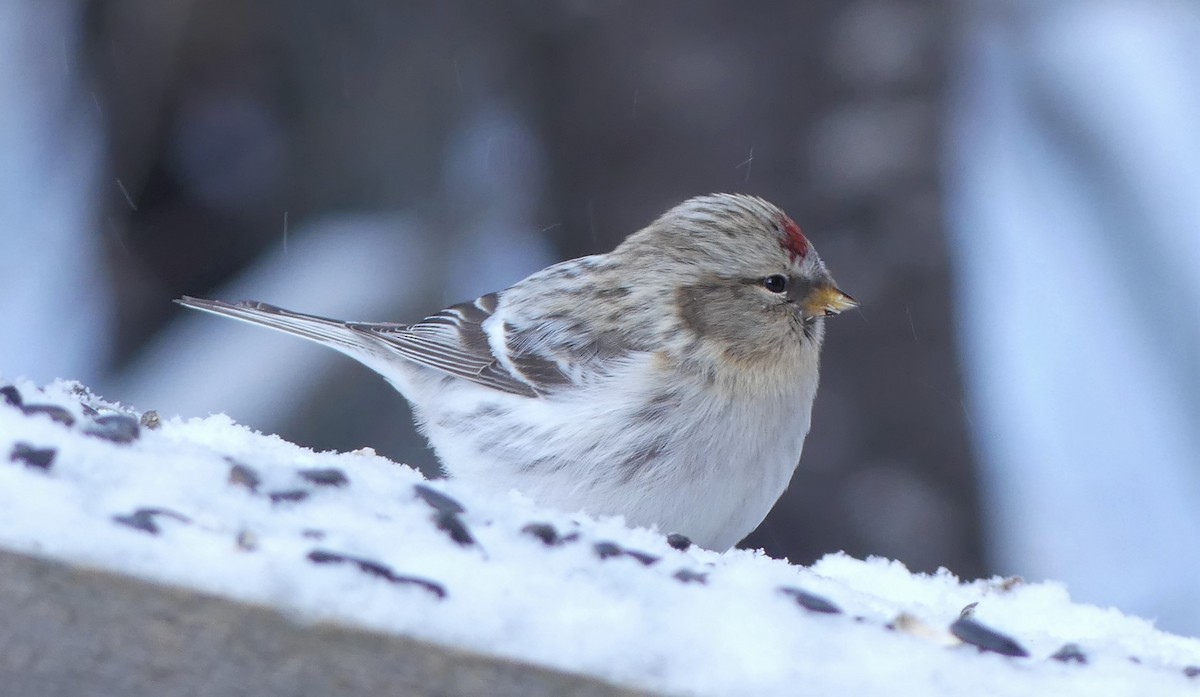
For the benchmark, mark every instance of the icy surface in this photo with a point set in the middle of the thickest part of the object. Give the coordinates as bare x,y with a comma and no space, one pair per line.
208,504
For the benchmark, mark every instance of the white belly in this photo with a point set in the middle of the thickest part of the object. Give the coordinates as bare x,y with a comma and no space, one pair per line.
691,462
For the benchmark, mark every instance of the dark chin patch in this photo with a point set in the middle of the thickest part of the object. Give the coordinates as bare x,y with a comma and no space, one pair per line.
810,329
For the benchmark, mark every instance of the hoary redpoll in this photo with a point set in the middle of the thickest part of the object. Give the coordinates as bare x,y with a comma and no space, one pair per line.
670,381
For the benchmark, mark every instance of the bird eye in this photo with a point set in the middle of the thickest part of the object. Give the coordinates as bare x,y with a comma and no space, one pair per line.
776,283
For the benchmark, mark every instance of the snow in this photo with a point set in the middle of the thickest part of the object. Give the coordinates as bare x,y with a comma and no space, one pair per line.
508,593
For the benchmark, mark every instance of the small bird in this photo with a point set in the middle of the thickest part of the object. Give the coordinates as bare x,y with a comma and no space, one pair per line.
670,381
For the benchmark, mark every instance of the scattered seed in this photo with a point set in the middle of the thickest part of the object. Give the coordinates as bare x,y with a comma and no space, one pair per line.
914,626
243,475
325,477
1192,671
247,541
437,499
607,550
810,601
689,576
151,420
140,520
312,534
1007,584
117,428
288,496
679,542
544,532
143,519
454,527
645,559
985,638
968,611
374,568
36,458
11,395
1070,653
54,411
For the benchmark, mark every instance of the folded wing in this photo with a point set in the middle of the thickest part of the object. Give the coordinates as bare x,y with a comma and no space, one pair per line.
452,341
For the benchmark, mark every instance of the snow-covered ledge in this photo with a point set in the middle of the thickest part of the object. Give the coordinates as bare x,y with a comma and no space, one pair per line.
198,557
76,631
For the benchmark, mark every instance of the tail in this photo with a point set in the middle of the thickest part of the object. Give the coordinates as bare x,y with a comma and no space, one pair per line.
329,332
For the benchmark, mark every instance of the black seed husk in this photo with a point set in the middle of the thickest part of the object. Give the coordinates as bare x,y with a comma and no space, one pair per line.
1192,671
289,496
689,576
140,520
437,499
11,395
1070,653
679,542
374,568
117,428
811,601
985,638
54,411
607,550
325,477
243,475
37,458
645,559
544,532
144,519
454,527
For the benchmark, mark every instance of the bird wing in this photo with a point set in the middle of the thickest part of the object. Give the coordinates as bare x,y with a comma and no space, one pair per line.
537,358
455,341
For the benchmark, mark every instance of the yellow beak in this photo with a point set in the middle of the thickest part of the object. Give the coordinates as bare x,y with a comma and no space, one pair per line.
825,301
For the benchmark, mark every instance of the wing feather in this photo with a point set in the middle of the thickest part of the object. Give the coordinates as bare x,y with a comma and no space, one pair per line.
456,342
453,341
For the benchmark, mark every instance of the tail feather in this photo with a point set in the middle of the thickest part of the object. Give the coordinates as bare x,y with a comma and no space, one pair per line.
329,332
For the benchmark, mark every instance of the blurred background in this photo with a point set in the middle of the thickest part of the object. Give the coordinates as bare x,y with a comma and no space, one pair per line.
1011,189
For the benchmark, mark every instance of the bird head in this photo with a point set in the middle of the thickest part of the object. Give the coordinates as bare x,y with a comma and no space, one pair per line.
741,273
